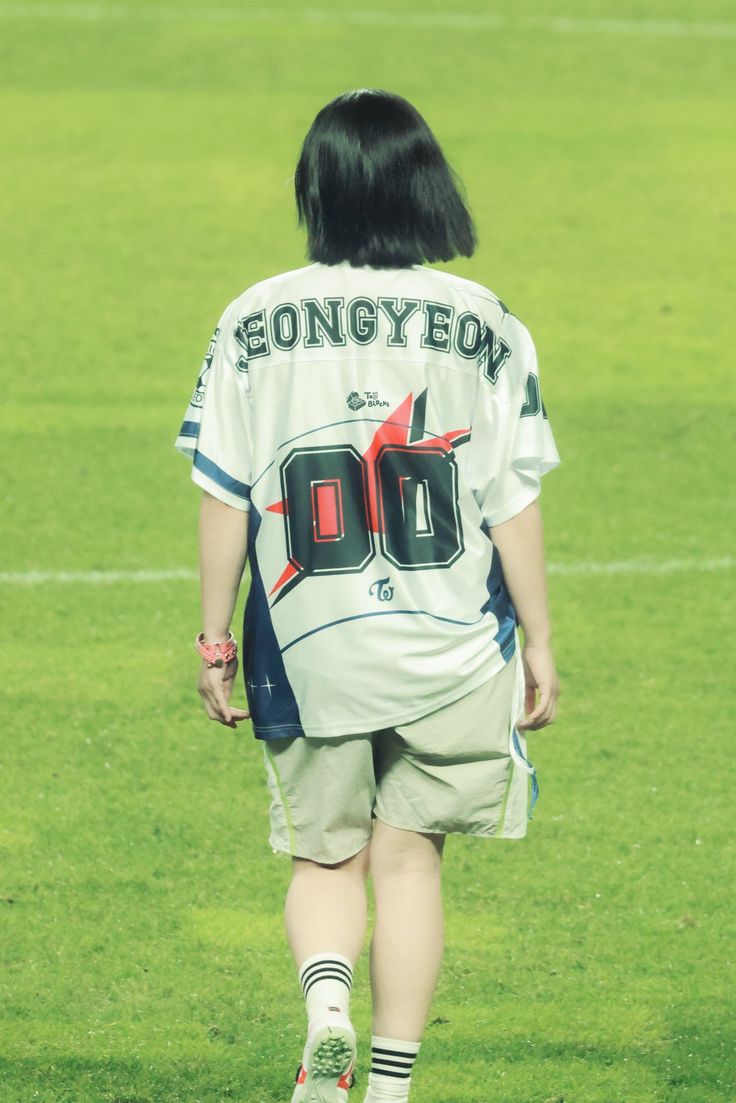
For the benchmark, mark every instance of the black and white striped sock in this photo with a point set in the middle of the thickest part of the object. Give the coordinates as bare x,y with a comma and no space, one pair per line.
391,1064
326,981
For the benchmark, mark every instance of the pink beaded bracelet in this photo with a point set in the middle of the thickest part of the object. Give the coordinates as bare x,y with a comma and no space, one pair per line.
217,654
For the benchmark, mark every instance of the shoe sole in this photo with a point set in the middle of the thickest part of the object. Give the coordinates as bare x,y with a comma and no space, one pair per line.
333,1052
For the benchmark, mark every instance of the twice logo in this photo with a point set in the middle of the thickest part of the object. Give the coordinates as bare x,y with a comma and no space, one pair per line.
381,589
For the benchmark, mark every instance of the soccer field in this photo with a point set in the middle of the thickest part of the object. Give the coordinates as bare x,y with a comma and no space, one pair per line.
147,156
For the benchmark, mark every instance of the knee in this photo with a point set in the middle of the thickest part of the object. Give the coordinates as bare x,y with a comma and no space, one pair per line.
395,852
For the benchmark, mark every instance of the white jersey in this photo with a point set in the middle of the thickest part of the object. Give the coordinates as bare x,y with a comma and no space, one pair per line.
375,423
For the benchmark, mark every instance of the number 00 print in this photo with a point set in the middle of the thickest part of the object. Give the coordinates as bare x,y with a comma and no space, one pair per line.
328,513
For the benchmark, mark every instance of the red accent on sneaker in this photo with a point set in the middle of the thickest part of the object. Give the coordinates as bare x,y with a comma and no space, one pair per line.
346,1080
302,1075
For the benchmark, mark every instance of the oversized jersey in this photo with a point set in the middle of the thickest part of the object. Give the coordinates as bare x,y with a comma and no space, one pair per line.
375,424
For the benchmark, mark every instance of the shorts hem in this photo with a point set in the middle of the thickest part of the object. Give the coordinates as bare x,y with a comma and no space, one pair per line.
443,831
320,861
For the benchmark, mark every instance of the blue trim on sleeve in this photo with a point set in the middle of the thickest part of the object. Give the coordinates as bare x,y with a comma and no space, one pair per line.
209,467
189,429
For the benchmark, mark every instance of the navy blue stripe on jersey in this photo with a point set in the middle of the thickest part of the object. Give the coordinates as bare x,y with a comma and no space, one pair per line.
505,639
209,467
271,700
380,613
499,604
189,429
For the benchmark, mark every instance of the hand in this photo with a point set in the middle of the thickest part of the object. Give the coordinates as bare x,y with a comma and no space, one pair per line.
214,685
539,674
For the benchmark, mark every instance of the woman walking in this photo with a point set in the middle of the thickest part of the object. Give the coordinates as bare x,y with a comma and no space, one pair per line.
369,434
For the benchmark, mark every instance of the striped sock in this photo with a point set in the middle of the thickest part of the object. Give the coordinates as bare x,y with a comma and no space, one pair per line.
326,981
391,1064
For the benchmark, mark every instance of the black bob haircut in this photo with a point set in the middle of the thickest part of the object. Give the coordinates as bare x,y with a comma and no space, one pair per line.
373,186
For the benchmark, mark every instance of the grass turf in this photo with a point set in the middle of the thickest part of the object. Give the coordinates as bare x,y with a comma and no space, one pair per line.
146,181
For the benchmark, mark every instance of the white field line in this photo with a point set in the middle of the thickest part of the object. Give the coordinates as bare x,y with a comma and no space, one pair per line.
670,28
184,574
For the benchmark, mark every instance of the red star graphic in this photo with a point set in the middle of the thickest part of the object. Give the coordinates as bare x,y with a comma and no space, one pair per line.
394,429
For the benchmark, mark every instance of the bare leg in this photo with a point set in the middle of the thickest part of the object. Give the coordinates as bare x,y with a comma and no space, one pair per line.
325,910
408,934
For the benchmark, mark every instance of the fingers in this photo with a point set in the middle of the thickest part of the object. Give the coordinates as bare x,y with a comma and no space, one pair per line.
540,676
214,692
224,712
545,712
218,709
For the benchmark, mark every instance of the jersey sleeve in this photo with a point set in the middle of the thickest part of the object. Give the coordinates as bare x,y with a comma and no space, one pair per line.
216,433
520,446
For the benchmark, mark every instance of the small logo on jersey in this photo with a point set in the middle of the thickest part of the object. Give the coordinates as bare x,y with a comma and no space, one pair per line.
355,402
198,396
372,399
369,399
381,589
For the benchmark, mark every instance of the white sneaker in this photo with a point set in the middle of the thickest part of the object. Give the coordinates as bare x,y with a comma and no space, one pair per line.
325,1074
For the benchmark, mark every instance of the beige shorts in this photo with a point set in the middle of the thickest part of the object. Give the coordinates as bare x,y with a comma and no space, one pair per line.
459,770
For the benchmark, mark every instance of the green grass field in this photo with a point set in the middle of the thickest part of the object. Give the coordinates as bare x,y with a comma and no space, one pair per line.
147,155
